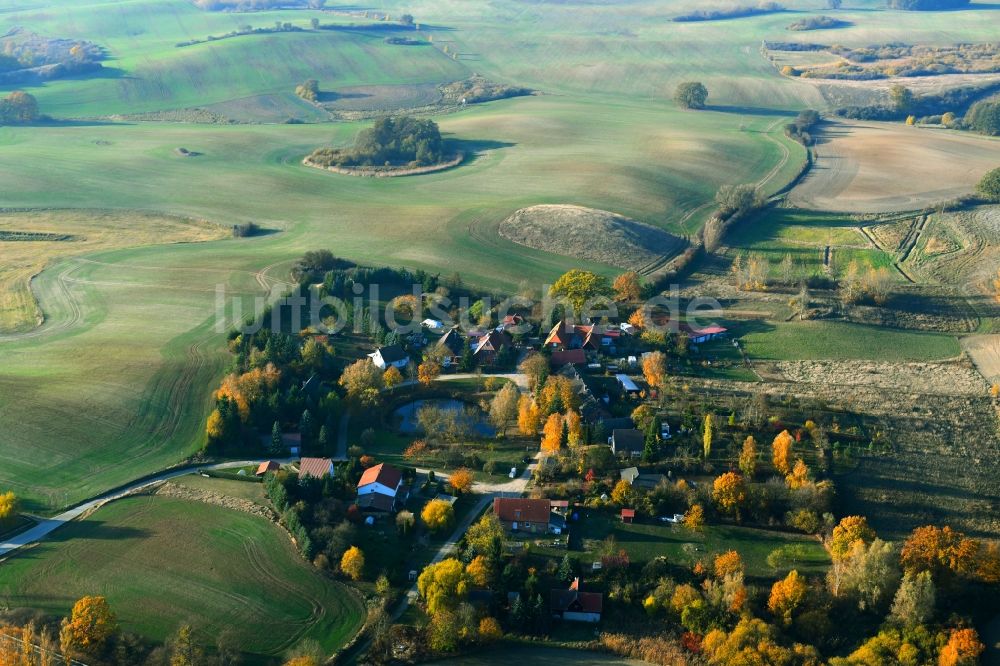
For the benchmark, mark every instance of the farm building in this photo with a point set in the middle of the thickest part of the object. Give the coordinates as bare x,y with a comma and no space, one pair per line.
628,515
316,468
575,605
567,357
628,386
704,334
626,442
393,355
383,481
637,479
523,515
267,466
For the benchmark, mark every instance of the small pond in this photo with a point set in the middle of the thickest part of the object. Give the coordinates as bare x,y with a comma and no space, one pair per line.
468,416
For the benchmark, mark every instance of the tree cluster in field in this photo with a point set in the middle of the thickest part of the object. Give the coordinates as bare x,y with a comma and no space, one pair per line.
691,95
399,141
308,90
800,129
818,23
26,57
723,13
903,103
279,26
246,229
18,108
884,61
927,5
477,89
734,203
256,5
989,186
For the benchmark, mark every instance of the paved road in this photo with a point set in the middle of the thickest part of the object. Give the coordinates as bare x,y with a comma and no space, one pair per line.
46,527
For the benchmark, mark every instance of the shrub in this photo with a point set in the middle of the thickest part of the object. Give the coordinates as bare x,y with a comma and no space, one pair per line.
989,186
984,117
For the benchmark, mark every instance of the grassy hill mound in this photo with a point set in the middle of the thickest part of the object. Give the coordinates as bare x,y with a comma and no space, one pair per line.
587,233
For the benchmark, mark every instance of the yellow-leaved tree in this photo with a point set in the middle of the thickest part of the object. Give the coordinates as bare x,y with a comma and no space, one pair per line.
443,585
89,627
552,433
577,287
353,563
438,515
781,451
9,506
786,596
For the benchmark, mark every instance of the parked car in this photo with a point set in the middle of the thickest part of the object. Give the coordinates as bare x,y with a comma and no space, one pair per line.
664,430
513,473
676,518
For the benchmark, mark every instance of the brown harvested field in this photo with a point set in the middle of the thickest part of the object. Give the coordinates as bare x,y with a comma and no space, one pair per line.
984,350
870,167
590,234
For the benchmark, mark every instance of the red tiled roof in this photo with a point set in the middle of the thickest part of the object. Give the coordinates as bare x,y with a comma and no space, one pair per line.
572,356
382,473
574,601
514,509
316,467
628,513
268,466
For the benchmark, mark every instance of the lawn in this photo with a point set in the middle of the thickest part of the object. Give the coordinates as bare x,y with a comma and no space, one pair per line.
814,340
251,490
162,562
647,540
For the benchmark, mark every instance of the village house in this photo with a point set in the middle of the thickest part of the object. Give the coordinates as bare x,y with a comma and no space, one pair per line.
490,346
701,335
380,487
523,515
567,357
637,479
393,355
627,442
574,605
315,468
454,344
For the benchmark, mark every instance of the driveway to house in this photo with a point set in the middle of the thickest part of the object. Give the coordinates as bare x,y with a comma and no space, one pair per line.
46,527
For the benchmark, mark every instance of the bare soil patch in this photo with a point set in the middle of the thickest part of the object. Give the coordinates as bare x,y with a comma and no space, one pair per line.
594,235
869,167
929,378
388,171
984,350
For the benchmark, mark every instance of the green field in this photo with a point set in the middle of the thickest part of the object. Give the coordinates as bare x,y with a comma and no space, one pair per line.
841,341
805,235
163,562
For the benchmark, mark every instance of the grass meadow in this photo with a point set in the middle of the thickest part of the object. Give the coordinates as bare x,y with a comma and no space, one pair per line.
162,562
117,382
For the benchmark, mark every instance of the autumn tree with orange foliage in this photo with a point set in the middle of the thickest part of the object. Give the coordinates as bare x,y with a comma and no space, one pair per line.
552,434
786,596
627,287
654,368
428,371
729,491
848,532
694,519
479,571
940,550
963,649
529,417
249,389
574,429
781,451
728,563
392,377
461,481
89,627
799,476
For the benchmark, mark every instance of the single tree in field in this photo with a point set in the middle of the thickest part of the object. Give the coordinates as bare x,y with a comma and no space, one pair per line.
627,287
748,457
691,95
8,506
989,185
902,98
353,563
